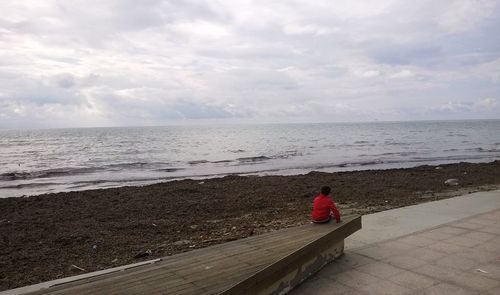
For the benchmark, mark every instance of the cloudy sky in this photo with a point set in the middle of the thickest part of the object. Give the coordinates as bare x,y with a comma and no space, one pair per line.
151,62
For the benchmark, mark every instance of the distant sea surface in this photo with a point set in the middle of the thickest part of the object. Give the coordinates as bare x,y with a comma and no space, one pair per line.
53,160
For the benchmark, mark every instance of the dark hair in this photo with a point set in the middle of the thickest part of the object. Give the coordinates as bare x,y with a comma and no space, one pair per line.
325,190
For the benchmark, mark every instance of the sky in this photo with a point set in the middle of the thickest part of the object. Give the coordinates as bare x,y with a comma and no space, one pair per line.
84,63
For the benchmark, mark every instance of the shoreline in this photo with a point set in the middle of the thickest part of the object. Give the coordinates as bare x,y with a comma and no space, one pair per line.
42,236
32,188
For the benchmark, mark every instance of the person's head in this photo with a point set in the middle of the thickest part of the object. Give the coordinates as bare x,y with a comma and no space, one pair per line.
325,190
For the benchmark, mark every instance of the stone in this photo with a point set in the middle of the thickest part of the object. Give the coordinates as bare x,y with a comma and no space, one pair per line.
451,181
181,242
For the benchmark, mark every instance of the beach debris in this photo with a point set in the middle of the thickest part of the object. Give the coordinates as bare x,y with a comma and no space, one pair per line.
77,267
114,260
182,242
154,224
201,182
465,173
482,271
143,254
192,246
94,247
210,241
194,226
234,228
438,168
451,181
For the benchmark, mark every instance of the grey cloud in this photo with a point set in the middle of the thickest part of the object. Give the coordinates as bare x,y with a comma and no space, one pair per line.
191,110
405,54
150,61
65,81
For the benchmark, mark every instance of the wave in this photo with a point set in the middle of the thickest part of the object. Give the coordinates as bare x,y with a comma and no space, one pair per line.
45,173
404,154
237,151
357,145
402,161
280,155
196,162
480,149
286,154
133,165
223,161
354,164
399,143
30,185
169,169
253,159
68,171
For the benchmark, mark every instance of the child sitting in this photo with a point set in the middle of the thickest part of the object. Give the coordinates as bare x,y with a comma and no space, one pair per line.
324,208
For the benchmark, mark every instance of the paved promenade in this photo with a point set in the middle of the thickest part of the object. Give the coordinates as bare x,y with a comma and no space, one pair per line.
446,247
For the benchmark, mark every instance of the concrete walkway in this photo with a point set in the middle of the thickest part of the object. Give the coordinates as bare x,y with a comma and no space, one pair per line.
402,221
450,246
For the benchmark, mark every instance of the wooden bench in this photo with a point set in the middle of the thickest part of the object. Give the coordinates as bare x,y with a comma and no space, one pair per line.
271,263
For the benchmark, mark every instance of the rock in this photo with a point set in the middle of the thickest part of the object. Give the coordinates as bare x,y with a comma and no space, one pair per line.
181,242
143,254
194,226
451,181
114,260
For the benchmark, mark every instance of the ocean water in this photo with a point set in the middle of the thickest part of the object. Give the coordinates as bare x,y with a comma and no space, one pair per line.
42,161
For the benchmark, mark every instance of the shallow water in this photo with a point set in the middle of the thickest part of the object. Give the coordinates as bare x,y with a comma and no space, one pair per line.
41,161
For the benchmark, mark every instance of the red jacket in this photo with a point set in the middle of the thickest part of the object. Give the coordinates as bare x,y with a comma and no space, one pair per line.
322,208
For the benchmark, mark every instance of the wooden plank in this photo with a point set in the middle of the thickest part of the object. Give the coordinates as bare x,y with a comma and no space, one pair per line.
229,263
188,288
277,270
159,275
226,278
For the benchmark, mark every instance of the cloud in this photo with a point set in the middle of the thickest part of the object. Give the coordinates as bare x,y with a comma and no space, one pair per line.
402,74
370,74
296,29
475,106
486,103
156,61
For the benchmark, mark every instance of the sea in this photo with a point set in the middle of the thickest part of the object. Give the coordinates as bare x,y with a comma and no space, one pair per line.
43,161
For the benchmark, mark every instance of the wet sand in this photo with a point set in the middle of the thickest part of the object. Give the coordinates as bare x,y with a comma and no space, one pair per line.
41,237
